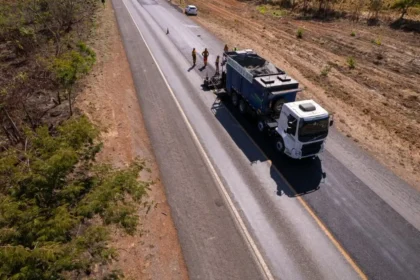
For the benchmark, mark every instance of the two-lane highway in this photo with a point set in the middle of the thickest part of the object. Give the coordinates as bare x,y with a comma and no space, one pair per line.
355,224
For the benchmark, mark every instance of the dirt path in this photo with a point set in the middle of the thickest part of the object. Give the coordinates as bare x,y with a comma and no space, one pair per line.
377,103
110,101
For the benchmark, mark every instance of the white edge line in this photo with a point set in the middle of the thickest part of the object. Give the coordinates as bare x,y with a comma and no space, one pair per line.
240,222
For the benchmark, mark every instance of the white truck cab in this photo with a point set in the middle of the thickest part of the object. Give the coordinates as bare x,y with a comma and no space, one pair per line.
302,128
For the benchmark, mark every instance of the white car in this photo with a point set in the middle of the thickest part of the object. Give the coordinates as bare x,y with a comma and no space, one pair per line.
191,10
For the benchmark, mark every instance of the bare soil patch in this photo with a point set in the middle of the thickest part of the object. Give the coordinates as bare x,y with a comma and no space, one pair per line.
110,101
377,103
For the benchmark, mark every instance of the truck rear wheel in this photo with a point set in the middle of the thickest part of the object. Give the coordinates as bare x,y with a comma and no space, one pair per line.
242,107
235,99
280,145
229,92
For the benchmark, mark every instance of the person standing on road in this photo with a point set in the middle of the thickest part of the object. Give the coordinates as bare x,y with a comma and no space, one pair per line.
217,64
194,56
226,49
205,54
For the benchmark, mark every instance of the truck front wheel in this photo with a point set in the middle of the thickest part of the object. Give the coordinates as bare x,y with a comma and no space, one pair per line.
280,145
235,99
261,126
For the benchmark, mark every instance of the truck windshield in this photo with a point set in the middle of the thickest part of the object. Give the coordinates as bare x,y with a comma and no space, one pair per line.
313,130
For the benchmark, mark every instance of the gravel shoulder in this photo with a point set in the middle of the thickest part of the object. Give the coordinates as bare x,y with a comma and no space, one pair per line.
110,101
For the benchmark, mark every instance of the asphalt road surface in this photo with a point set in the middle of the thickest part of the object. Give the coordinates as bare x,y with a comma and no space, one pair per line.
360,222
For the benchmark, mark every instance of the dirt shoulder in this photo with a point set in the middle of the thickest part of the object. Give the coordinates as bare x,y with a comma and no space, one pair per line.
110,101
377,103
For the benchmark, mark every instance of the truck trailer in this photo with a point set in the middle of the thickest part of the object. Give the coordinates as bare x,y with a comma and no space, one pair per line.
259,88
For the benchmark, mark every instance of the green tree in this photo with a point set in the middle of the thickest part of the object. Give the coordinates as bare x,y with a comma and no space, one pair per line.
71,66
404,5
15,30
54,203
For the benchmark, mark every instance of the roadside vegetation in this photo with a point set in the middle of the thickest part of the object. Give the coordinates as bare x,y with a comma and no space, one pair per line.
299,33
351,62
56,203
274,11
354,10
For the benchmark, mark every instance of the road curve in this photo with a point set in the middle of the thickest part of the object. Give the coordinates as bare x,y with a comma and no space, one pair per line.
372,215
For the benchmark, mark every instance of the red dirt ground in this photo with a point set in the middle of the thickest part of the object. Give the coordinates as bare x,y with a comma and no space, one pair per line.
110,100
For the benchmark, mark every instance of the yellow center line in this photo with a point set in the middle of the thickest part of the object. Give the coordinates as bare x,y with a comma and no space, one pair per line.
311,212
330,236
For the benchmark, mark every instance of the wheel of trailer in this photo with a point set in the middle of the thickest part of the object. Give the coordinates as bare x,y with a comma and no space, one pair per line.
235,99
242,106
280,145
261,126
253,114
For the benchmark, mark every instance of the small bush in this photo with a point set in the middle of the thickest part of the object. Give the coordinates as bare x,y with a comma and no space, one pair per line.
351,62
299,33
279,13
271,11
353,34
262,9
377,42
326,70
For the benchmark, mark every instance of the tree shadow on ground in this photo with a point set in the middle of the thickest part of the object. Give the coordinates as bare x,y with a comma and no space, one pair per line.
407,25
323,15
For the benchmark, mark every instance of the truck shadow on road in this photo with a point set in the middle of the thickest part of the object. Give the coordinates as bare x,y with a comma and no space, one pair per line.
302,176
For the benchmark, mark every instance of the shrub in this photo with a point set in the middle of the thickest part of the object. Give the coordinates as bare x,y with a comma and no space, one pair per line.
299,33
351,62
71,66
377,42
270,10
279,13
352,34
326,70
262,9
